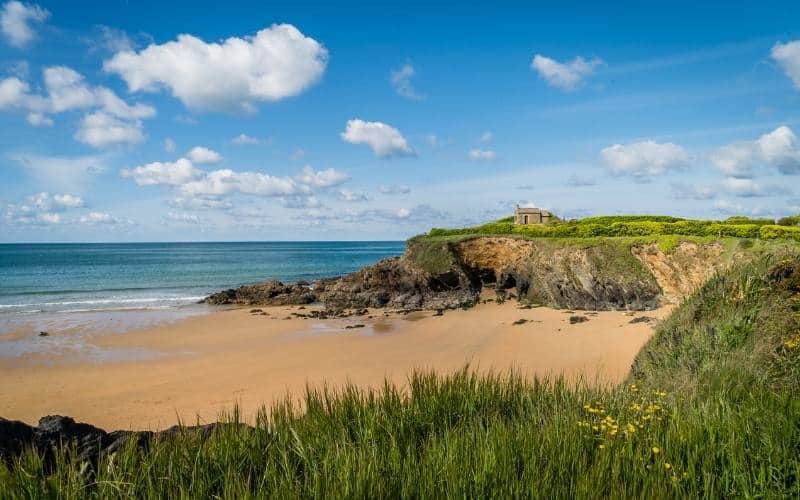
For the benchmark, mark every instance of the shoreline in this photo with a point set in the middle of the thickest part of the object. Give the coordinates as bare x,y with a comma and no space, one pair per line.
195,368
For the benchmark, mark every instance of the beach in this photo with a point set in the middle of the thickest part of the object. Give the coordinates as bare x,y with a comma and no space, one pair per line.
196,367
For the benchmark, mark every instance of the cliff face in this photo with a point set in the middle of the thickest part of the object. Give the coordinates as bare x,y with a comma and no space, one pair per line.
565,274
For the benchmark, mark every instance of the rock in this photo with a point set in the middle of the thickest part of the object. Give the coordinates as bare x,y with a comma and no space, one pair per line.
520,322
396,283
642,319
255,311
577,319
90,443
269,293
348,327
43,334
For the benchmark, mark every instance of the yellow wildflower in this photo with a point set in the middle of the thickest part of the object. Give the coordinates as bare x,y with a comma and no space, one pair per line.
667,465
656,450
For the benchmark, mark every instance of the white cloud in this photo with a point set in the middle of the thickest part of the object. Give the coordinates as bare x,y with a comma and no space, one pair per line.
301,202
401,82
169,145
383,139
320,178
244,139
683,191
222,182
567,75
16,20
101,130
200,154
163,173
112,122
183,218
200,203
787,55
394,189
50,218
729,208
352,196
778,149
68,201
234,75
39,120
486,137
482,155
644,159
96,218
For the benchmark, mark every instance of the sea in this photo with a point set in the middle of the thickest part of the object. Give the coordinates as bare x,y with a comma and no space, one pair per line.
124,285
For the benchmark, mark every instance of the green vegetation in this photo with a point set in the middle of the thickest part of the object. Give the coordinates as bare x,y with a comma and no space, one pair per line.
637,225
711,409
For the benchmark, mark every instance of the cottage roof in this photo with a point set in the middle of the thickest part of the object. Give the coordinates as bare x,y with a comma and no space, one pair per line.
532,210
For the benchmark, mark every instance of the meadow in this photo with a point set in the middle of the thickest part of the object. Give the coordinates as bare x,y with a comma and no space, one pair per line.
711,409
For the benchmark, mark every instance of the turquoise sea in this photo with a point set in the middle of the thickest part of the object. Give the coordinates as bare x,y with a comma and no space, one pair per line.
43,280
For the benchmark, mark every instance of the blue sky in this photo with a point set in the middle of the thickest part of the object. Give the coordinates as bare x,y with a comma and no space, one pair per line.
124,121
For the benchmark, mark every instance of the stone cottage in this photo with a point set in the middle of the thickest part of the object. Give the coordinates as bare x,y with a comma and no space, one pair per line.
526,215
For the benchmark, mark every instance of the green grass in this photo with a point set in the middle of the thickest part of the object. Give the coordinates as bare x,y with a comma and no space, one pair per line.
711,409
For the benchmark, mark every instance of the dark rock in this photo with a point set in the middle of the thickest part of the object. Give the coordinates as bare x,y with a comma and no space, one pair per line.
270,293
348,327
577,319
255,311
43,334
520,322
642,319
88,443
439,312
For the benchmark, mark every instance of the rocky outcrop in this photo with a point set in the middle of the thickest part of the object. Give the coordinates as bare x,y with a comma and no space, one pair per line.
89,443
270,293
399,284
684,269
605,275
599,277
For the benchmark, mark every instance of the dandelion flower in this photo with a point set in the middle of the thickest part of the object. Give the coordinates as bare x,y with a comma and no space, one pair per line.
667,465
656,450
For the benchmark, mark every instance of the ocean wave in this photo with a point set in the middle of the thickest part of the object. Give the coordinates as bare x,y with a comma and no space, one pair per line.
110,301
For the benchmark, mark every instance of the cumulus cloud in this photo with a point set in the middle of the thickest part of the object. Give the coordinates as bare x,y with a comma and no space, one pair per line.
777,149
383,139
244,139
17,20
683,191
644,159
182,218
320,178
401,82
163,173
100,218
112,122
352,196
566,75
232,76
41,209
482,155
787,55
226,181
200,154
200,203
101,130
304,201
730,208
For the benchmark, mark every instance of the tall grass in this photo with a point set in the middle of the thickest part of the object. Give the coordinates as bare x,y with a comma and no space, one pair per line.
707,412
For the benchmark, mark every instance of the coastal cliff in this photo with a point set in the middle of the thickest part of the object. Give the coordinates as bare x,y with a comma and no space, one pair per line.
594,274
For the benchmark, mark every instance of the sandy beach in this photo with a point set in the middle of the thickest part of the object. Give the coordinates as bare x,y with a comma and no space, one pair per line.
194,368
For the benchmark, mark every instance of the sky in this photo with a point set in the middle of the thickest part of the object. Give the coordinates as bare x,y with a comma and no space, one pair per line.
131,121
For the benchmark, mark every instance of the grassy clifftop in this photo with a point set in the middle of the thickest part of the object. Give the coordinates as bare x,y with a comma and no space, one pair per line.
639,225
711,409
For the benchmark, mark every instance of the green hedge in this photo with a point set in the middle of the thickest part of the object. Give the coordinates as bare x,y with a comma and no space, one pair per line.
738,227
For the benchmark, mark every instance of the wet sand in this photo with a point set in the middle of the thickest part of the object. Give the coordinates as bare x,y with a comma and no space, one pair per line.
194,368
